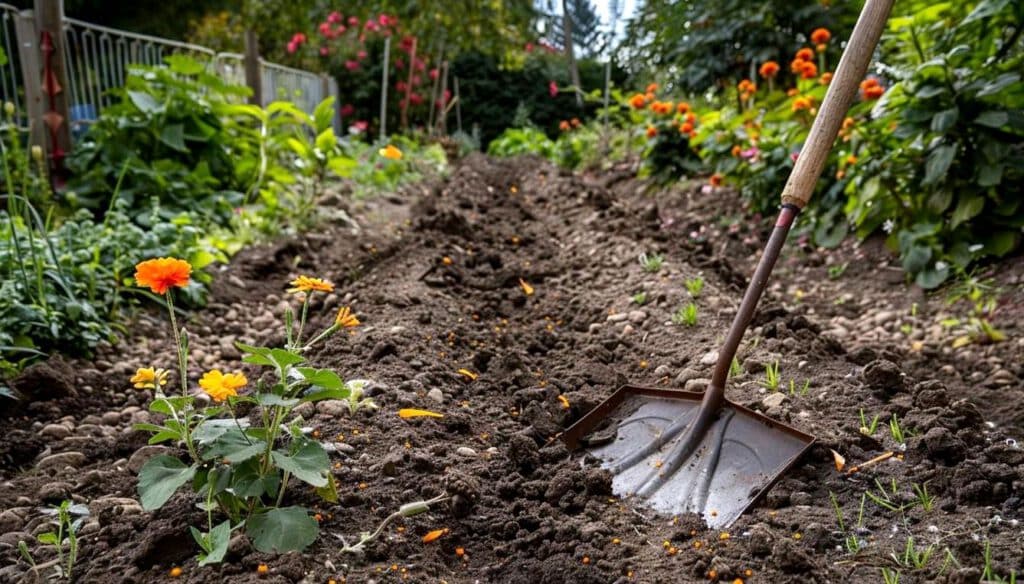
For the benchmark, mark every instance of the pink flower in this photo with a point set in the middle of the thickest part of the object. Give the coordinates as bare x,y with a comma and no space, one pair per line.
361,126
399,64
401,87
433,74
794,156
325,29
340,30
416,80
347,110
419,65
749,153
361,55
292,47
415,98
334,17
324,51
353,21
371,26
351,65
529,47
298,38
553,88
407,43
384,20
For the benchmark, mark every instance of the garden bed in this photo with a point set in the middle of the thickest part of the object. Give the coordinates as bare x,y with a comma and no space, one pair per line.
525,510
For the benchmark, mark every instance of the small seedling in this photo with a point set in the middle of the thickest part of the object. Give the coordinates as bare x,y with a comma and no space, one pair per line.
67,520
803,389
652,262
885,498
906,329
851,540
949,560
868,429
640,298
988,573
694,286
897,431
355,400
924,499
890,576
771,376
686,315
835,272
735,369
912,557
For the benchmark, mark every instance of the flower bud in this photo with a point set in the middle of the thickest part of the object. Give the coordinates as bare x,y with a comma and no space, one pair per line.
37,153
9,108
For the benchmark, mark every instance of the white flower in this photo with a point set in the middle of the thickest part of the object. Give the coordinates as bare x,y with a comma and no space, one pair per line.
941,265
888,225
975,247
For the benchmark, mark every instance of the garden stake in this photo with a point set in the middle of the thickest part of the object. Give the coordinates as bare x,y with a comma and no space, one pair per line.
690,452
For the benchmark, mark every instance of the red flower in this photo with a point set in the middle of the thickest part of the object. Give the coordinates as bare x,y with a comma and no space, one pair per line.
419,65
371,25
808,70
298,38
433,74
415,99
715,180
292,47
805,54
325,29
351,65
384,20
820,36
401,87
162,274
347,110
552,88
324,51
529,47
399,64
652,131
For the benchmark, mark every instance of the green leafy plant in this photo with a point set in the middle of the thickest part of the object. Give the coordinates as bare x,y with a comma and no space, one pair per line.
802,390
67,519
240,467
890,576
868,429
923,497
686,315
694,286
897,431
771,376
651,262
989,574
912,557
640,298
835,272
735,369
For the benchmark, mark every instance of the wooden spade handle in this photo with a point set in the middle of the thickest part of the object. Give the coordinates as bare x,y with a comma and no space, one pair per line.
841,91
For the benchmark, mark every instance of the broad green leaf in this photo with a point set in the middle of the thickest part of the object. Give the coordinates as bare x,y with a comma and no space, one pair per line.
917,258
48,538
173,135
310,464
329,492
159,478
342,166
234,447
315,394
255,355
990,175
938,163
324,378
287,529
323,115
992,119
210,430
944,120
285,358
326,140
272,399
1001,243
247,481
931,277
216,544
146,103
184,64
968,208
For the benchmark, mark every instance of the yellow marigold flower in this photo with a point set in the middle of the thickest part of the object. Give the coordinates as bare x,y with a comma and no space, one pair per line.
390,152
308,284
220,386
149,378
345,318
161,274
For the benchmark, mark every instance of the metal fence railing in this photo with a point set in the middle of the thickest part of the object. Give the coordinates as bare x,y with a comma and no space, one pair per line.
96,59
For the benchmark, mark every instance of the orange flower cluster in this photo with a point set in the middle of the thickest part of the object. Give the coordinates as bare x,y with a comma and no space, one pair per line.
689,124
826,78
566,125
871,89
820,37
638,101
715,180
847,128
803,64
162,274
663,108
652,131
769,69
683,107
747,89
652,88
801,103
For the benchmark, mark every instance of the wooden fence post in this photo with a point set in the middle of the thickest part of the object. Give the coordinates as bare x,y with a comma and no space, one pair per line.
384,91
50,24
27,36
253,67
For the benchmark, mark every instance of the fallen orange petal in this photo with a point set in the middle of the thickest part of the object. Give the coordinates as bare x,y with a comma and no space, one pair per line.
414,413
840,461
468,374
564,400
433,535
527,289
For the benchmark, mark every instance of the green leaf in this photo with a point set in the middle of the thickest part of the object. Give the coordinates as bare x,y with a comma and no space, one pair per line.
255,355
146,103
968,208
944,120
173,135
329,492
317,394
234,447
159,478
938,163
210,430
323,116
272,399
990,175
248,482
48,538
326,140
216,544
310,464
287,529
342,166
1001,243
184,64
285,358
324,378
992,119
931,277
916,258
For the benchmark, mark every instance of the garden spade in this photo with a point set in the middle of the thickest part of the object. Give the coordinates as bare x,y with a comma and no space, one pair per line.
685,452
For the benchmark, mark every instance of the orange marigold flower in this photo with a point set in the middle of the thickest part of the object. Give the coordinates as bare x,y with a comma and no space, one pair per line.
691,117
808,70
736,150
826,78
575,122
563,126
638,101
801,103
747,86
792,91
821,36
797,65
652,131
161,274
686,128
769,69
805,54
220,386
308,284
683,107
715,180
390,152
873,92
848,123
851,159
345,318
652,88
